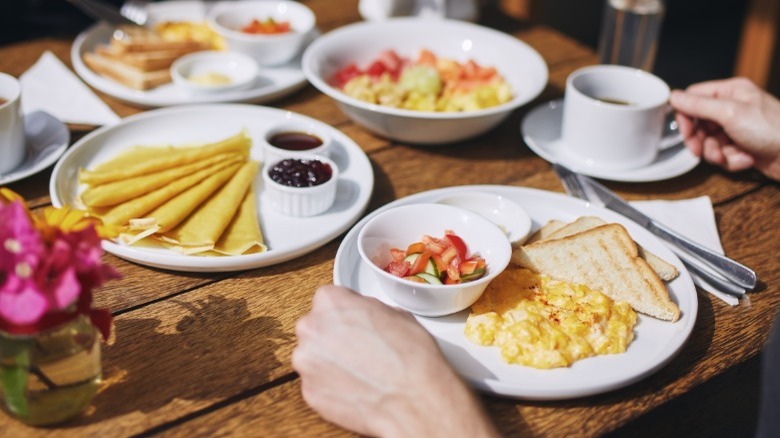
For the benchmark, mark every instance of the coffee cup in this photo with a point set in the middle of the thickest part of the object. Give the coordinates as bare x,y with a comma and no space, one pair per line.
614,117
12,139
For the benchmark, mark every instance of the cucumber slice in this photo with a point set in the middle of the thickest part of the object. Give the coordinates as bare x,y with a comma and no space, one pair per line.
430,279
473,276
411,258
430,268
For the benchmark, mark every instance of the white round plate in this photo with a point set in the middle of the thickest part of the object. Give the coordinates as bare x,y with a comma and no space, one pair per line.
287,237
47,139
655,344
541,129
271,83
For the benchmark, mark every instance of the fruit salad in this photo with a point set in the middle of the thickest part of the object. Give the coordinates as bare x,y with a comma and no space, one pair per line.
429,83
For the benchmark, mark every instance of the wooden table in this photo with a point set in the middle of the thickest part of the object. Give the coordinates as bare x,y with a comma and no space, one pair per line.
209,354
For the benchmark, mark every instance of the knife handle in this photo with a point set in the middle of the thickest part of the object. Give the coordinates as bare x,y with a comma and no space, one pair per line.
733,271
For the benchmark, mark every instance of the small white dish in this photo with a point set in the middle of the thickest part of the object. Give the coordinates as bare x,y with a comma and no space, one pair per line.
401,226
228,18
47,140
541,130
301,201
214,71
507,214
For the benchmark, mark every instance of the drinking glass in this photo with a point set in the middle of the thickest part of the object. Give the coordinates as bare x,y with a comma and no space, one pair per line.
630,32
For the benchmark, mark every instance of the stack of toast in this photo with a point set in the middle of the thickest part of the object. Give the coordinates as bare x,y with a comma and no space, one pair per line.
604,257
139,58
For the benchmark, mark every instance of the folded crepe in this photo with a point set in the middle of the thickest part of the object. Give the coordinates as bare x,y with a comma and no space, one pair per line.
201,230
243,235
120,215
117,192
142,161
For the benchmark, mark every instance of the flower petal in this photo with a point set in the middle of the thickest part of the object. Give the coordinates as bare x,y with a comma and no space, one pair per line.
21,302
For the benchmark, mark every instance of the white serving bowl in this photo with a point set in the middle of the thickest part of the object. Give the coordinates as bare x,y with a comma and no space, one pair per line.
240,69
401,226
302,201
361,43
227,19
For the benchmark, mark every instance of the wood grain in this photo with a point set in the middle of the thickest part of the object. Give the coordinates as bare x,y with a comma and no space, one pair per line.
202,354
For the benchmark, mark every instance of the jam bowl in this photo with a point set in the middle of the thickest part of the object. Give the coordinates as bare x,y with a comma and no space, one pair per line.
301,186
295,138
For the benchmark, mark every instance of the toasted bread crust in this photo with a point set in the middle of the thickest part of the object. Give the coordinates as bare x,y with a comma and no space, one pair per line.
126,74
604,258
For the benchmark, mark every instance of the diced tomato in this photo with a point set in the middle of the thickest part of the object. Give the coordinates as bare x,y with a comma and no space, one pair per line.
346,74
397,254
427,58
441,266
448,280
458,243
453,272
481,263
391,60
449,254
416,247
415,279
376,69
399,269
468,267
421,262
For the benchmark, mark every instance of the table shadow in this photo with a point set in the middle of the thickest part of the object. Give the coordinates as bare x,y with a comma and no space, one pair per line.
204,357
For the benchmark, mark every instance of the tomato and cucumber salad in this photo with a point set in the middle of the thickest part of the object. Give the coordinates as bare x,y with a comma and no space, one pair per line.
434,260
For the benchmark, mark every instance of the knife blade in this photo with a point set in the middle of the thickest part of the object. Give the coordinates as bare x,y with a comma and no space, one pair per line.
102,11
731,270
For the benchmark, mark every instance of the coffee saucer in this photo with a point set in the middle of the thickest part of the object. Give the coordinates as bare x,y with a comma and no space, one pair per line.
47,139
541,130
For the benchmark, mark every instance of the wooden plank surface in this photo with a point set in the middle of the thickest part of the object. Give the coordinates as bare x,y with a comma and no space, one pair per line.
209,354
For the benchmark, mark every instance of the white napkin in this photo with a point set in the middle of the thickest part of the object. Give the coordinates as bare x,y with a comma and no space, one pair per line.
695,219
50,86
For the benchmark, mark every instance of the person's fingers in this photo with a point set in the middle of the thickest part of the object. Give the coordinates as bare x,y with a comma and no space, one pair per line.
685,125
738,88
712,151
721,111
736,159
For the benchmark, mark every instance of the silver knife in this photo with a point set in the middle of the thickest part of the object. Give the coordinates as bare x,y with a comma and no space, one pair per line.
731,277
100,10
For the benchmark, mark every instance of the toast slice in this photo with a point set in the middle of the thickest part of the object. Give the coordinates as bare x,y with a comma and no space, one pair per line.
665,270
604,258
146,61
141,39
546,230
126,74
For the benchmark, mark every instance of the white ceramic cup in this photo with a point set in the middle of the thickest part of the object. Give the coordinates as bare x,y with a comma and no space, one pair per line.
613,117
12,141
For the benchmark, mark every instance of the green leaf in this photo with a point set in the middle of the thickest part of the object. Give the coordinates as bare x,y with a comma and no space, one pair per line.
14,369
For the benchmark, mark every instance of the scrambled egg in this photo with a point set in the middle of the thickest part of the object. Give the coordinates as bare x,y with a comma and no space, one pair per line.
543,323
190,31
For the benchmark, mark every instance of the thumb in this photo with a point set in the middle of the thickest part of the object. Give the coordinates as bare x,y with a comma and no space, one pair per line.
720,111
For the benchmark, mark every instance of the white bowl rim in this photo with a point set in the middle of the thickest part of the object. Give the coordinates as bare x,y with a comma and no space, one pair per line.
342,97
307,15
491,273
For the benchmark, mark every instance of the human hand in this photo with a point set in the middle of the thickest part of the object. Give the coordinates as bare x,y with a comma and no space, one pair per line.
374,370
738,124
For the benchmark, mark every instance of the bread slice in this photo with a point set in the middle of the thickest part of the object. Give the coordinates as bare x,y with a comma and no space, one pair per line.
141,39
546,230
665,270
606,259
146,61
126,74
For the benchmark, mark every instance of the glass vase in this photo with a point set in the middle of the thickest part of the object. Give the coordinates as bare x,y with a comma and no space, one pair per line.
51,376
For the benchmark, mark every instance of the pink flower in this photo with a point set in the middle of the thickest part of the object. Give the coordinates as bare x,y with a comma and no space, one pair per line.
20,300
19,240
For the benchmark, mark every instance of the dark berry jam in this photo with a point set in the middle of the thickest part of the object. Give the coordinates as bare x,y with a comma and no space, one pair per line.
304,172
295,141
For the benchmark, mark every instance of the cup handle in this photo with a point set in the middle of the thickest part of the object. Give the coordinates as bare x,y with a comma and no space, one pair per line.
671,136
